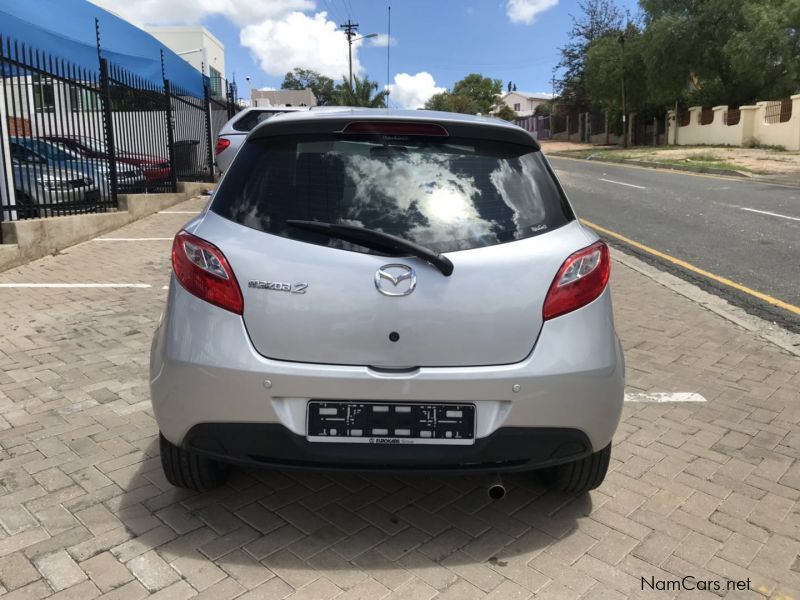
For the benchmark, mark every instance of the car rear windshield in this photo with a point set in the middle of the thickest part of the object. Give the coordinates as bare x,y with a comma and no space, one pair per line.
249,120
446,194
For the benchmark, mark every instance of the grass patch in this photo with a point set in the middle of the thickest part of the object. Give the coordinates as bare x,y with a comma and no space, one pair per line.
700,163
702,166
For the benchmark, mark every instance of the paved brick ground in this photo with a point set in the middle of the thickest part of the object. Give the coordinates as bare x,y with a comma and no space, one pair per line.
707,490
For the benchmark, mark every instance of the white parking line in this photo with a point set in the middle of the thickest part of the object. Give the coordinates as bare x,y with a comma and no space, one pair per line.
75,285
658,397
179,212
638,187
772,214
149,239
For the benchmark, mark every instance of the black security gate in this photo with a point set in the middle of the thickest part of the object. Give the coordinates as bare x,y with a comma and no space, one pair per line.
46,102
139,136
73,139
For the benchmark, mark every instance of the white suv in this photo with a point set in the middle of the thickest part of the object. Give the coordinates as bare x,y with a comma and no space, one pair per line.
234,132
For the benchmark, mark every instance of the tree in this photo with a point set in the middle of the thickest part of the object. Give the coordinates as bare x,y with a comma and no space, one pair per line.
709,52
483,91
440,101
300,79
361,94
506,113
599,18
471,95
544,109
603,73
765,55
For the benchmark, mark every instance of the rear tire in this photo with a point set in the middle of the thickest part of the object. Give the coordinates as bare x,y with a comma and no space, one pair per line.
580,476
186,469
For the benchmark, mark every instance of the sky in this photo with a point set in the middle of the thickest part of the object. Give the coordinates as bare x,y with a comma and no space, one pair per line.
434,43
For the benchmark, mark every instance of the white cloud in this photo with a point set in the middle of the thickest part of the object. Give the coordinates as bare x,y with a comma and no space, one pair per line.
525,11
190,12
383,40
298,40
412,91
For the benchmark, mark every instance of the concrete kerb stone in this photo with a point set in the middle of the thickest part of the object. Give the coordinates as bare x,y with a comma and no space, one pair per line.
29,239
770,332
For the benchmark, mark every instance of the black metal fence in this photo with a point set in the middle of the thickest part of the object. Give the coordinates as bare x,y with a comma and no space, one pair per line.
73,139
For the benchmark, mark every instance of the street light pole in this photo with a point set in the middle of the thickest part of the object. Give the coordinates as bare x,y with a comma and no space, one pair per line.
350,30
621,40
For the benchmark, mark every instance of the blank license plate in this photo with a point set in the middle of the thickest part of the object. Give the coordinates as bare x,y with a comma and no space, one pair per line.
380,423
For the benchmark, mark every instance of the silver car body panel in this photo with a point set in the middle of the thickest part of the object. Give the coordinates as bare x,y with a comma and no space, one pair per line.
204,369
489,311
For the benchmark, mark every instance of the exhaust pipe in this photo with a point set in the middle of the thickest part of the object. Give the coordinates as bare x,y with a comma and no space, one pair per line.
495,488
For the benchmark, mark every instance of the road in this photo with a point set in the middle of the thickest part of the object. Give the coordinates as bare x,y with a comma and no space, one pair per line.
745,231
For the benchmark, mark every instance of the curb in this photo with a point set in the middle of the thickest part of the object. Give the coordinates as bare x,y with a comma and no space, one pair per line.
656,165
786,340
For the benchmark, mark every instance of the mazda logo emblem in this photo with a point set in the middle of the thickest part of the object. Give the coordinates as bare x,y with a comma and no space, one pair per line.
402,278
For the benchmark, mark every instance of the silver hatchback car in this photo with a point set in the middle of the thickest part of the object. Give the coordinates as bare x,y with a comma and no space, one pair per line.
388,290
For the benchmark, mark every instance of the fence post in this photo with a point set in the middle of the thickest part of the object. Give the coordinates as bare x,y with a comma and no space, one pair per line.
108,127
170,137
209,136
231,99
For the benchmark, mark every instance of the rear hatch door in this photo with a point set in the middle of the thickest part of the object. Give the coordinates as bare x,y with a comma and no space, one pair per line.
491,207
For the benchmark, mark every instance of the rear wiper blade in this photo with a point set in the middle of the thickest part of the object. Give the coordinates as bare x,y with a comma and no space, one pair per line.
377,240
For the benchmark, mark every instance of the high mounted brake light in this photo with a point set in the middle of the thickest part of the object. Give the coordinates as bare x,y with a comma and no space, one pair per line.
394,128
203,270
579,281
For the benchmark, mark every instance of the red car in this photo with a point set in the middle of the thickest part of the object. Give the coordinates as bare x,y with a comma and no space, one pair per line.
155,169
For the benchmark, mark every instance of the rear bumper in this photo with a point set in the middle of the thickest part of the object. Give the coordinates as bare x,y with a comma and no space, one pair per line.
204,370
270,444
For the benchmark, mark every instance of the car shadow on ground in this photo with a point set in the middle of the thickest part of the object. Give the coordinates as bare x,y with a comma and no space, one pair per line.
290,519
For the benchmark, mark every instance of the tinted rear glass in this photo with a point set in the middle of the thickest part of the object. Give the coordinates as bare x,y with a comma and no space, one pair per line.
248,121
447,195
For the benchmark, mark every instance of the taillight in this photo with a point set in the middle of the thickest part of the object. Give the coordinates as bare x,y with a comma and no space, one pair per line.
222,143
581,279
204,271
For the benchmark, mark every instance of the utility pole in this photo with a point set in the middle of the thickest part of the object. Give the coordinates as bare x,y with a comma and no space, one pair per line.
350,30
621,40
388,46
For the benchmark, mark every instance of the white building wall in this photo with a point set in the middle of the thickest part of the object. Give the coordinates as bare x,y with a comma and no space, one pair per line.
527,105
196,45
752,128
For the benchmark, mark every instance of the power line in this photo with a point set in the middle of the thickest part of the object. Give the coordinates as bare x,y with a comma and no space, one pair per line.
333,13
347,8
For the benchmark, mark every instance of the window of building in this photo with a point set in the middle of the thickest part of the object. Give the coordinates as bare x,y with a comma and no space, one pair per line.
44,98
215,82
516,106
83,100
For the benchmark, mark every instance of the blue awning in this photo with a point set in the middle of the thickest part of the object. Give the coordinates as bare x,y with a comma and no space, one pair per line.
66,29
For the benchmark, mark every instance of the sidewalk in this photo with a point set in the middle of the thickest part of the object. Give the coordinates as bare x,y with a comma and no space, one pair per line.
701,489
760,163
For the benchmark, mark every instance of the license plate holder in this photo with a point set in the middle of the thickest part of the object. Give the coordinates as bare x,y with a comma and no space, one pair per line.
390,423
